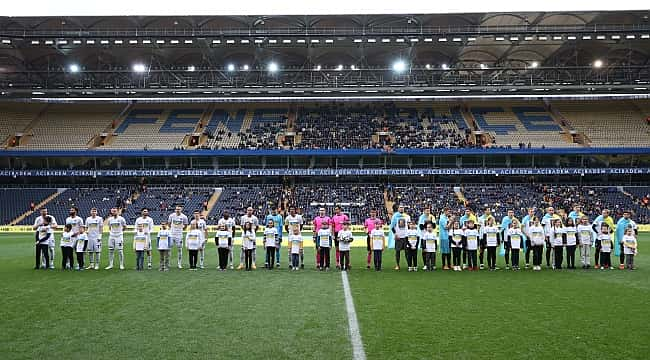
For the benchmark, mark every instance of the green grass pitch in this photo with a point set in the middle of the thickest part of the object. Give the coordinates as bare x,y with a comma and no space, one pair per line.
283,315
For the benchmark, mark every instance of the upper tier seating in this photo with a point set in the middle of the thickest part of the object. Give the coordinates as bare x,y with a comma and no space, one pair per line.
64,127
607,123
338,127
435,127
418,125
14,118
517,123
156,127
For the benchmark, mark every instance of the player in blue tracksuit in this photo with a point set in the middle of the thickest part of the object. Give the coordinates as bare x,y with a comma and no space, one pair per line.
621,226
445,248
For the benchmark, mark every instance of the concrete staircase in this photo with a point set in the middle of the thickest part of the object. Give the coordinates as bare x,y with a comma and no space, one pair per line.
389,204
562,122
459,194
110,129
248,120
213,200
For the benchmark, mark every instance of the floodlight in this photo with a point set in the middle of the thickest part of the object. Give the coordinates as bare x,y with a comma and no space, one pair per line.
399,66
139,68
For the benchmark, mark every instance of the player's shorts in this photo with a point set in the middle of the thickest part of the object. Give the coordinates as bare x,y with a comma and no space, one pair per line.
116,242
178,242
94,245
336,240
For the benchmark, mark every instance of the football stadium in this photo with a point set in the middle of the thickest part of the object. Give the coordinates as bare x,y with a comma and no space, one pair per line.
325,180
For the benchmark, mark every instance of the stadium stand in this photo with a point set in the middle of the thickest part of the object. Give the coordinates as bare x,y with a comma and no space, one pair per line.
236,199
15,202
250,128
263,130
102,198
641,202
70,127
607,123
156,127
415,197
353,129
436,127
515,124
355,200
520,124
375,126
15,118
223,129
161,201
502,197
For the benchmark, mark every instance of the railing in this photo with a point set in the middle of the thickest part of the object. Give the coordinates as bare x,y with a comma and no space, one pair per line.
327,31
352,152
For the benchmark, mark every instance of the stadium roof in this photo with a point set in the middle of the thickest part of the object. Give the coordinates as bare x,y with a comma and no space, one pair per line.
526,53
304,7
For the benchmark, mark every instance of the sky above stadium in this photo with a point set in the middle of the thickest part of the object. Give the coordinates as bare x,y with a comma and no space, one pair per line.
301,7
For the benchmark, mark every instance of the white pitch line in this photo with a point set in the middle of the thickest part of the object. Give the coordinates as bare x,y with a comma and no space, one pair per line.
358,353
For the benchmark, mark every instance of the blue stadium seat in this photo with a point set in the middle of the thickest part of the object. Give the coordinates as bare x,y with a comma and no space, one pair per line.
181,121
538,122
15,202
140,116
479,116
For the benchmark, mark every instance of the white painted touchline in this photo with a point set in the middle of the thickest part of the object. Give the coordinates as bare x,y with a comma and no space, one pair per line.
358,353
